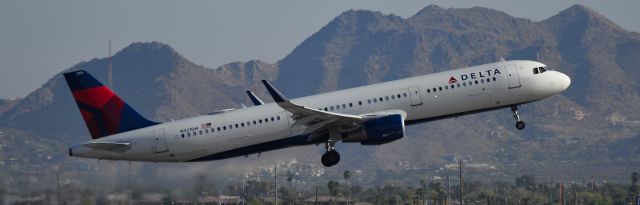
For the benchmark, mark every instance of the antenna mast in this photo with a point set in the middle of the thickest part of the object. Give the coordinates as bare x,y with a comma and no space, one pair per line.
110,69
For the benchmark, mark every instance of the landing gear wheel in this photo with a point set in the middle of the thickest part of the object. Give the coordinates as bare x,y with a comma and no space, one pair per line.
520,125
516,115
330,158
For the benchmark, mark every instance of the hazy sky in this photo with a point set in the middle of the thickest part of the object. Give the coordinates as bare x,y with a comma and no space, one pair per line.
41,38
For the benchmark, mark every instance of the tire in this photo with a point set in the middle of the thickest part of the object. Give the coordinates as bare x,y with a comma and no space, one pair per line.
330,158
520,125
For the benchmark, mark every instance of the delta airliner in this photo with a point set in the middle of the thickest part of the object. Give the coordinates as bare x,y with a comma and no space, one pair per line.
370,115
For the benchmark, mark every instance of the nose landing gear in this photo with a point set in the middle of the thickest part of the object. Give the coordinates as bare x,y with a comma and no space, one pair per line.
331,157
516,115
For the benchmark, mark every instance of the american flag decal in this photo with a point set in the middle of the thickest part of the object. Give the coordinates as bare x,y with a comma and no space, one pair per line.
205,125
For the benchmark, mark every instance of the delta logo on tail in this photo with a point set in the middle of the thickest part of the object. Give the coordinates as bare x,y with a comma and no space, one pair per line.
103,111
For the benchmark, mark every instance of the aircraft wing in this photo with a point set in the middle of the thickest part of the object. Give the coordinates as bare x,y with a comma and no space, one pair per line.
309,120
109,146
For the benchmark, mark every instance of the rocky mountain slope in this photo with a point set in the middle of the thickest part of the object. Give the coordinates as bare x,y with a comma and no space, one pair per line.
586,125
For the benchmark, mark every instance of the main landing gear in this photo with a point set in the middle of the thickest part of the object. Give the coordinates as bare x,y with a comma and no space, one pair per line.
331,157
516,115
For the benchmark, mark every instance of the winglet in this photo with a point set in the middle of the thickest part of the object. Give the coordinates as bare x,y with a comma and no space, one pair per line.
256,101
275,94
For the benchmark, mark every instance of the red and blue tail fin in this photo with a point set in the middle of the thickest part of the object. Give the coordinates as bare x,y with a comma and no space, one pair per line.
103,111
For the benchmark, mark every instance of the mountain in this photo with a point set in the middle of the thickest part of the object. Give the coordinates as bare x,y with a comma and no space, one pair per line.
587,125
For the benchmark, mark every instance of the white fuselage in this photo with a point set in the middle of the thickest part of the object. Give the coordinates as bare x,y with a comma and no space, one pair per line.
266,127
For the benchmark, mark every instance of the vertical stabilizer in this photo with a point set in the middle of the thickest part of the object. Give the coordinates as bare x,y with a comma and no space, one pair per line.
103,111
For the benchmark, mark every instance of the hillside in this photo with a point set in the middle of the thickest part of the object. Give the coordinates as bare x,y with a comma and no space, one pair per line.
363,47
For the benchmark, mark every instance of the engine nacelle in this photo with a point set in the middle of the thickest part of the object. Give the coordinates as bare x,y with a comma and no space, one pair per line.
378,131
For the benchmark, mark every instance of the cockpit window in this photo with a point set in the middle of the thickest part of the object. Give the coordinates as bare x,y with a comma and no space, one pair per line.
542,70
535,71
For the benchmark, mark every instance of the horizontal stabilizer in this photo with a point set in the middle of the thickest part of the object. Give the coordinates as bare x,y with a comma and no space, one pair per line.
110,146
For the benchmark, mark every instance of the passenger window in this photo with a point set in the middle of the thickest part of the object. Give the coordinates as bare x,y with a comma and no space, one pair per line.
206,131
200,132
494,78
224,127
428,90
398,96
369,101
344,106
278,117
212,130
380,99
325,109
194,134
272,119
359,102
337,107
386,98
446,87
188,134
464,84
457,84
254,122
440,88
476,82
482,80
452,86
260,121
535,71
375,100
242,124
218,129
488,80
182,135
266,119
404,95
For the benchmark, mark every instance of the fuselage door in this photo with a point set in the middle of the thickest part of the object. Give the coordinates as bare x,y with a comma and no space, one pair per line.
160,141
512,77
414,93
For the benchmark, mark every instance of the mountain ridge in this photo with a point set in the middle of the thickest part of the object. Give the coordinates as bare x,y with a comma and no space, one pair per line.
361,47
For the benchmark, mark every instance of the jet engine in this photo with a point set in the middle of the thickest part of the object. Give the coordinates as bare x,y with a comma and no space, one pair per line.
377,131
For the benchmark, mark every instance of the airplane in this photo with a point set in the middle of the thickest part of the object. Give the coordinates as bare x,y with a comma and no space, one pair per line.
374,114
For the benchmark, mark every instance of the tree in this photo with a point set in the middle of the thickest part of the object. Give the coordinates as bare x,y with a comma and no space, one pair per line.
200,185
347,176
334,187
526,181
633,189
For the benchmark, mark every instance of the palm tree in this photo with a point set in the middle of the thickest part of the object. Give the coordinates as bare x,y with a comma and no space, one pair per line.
347,177
334,188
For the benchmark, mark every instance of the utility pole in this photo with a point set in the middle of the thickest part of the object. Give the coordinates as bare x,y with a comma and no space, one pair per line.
460,173
275,179
426,193
561,194
110,70
446,197
58,186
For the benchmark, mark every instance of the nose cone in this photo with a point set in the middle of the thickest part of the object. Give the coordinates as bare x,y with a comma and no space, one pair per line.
565,81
